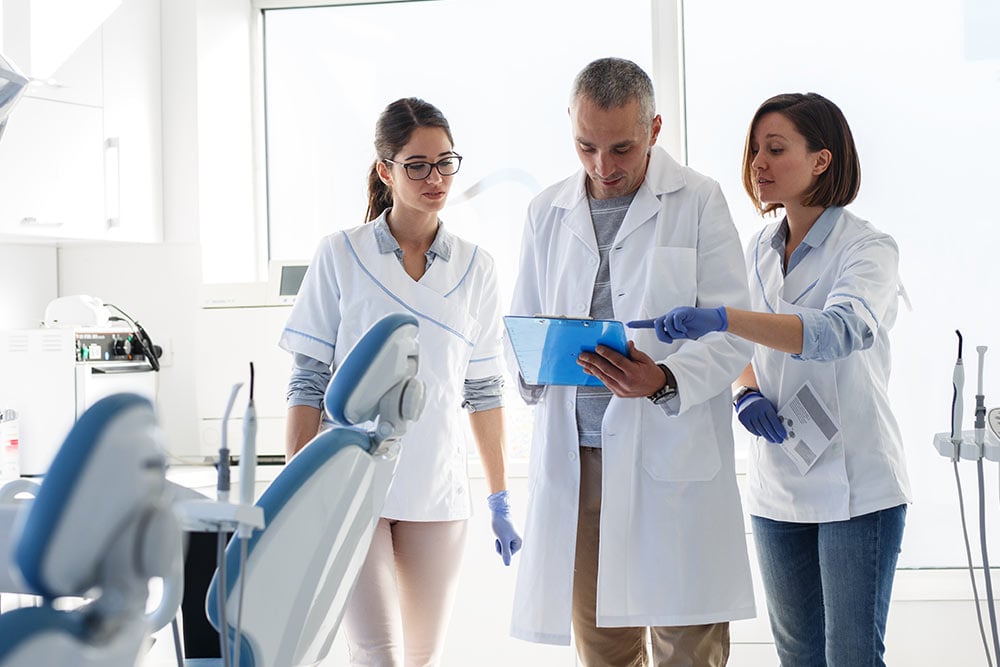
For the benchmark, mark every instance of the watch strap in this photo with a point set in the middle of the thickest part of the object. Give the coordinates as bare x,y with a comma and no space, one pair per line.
667,391
742,393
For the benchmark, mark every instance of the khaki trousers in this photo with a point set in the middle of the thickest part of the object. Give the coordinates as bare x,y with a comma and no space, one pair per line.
681,646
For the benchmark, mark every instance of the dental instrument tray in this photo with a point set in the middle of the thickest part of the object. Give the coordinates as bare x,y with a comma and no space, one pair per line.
547,347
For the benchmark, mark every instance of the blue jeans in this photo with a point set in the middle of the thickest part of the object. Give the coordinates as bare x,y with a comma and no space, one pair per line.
828,586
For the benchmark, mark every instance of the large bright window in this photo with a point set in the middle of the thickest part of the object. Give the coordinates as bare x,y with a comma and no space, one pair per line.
500,72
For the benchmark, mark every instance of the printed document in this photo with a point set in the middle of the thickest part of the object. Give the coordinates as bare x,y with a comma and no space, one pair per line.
810,427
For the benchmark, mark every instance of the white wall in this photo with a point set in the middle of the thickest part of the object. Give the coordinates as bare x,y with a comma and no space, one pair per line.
27,283
179,77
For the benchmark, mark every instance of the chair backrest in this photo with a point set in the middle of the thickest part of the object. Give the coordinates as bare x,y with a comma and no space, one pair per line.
320,513
317,516
95,514
385,357
110,469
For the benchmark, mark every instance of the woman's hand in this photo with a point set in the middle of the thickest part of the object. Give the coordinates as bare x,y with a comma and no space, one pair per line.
685,322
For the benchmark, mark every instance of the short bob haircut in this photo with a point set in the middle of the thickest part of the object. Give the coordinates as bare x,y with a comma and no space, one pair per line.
823,125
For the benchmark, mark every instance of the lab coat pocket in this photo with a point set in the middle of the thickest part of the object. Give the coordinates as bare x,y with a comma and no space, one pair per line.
671,280
679,449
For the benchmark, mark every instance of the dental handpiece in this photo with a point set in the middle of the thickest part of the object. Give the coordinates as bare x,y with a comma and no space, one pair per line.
222,486
958,384
980,424
248,457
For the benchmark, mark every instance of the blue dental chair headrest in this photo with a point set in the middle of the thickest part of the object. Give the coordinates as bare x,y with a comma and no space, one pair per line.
97,528
110,467
384,356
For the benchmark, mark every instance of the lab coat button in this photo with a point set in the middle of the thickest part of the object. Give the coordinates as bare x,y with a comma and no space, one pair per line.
569,405
572,456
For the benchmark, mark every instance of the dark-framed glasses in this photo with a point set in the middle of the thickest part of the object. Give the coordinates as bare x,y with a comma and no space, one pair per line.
418,171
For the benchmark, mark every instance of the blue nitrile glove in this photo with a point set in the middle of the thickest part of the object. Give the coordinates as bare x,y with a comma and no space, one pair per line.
758,415
508,541
685,322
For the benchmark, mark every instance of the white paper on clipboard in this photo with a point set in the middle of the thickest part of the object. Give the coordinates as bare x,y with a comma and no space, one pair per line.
810,426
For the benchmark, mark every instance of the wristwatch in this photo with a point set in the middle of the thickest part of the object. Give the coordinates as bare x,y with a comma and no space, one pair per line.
741,392
666,392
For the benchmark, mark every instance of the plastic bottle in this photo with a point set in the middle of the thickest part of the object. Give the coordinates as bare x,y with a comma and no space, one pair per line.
9,441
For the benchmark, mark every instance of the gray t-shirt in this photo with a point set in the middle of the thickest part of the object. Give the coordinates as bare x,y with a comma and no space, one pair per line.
591,402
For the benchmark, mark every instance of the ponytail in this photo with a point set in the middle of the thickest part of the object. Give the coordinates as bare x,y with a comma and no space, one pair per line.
379,194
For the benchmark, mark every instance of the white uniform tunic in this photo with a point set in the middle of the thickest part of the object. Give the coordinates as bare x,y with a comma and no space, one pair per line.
348,286
672,550
863,470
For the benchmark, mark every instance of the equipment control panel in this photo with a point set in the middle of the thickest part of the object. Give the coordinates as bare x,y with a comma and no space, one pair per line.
103,346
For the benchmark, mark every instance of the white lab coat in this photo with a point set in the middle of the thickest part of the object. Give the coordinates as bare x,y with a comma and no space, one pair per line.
348,286
863,470
672,550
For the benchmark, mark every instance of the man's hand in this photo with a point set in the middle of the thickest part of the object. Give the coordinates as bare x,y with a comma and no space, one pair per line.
634,376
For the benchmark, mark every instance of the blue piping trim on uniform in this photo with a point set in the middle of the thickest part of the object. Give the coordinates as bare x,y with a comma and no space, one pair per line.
477,361
756,268
859,300
313,338
806,291
467,270
395,298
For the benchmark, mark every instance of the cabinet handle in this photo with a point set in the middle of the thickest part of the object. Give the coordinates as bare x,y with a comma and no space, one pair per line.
112,183
33,222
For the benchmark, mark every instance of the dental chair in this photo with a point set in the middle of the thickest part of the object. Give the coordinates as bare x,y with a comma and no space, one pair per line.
320,511
99,528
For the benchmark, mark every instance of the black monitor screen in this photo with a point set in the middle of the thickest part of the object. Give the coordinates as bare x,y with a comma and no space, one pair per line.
291,279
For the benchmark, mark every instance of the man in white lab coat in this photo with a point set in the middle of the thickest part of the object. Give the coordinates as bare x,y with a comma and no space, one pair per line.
634,522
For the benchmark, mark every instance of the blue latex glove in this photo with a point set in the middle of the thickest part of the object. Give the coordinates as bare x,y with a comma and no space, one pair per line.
685,322
508,541
758,415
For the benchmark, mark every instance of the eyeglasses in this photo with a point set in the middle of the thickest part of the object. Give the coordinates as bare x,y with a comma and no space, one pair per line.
418,171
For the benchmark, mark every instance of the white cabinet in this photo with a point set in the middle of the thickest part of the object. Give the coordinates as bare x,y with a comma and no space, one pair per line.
52,170
81,159
132,122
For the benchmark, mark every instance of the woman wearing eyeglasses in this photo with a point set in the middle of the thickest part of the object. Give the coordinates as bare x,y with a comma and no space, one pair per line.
405,260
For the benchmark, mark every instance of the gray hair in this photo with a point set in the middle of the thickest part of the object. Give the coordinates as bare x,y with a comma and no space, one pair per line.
614,82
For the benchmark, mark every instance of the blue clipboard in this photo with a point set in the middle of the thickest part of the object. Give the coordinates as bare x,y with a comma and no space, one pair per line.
547,347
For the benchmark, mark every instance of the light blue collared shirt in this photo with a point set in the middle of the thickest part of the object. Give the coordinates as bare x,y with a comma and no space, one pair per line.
834,332
441,247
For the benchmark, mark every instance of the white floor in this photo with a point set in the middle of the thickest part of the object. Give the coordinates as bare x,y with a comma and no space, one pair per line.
932,621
